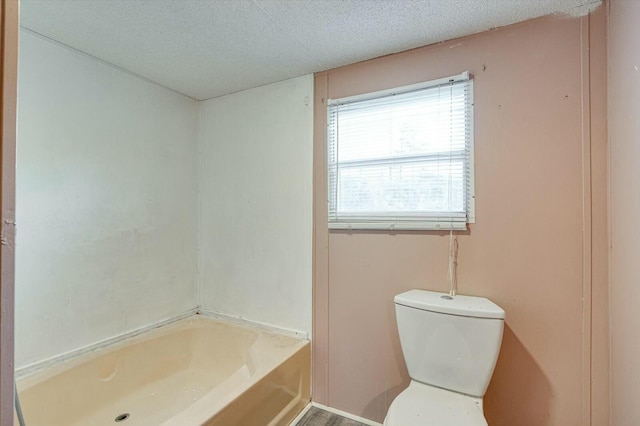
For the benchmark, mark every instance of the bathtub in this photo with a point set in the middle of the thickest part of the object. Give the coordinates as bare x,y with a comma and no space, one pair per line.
196,371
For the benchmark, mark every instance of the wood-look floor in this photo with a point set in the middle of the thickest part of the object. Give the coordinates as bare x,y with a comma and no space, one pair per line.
318,417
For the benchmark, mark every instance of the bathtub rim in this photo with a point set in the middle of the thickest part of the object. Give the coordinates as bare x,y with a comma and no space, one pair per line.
36,367
269,328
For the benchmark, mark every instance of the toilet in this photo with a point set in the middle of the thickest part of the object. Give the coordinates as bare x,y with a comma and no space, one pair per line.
450,345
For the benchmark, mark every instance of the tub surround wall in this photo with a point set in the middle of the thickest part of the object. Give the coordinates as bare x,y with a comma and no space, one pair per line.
540,162
624,133
109,190
106,205
256,193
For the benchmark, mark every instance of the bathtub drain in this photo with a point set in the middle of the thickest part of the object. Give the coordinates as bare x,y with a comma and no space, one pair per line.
122,417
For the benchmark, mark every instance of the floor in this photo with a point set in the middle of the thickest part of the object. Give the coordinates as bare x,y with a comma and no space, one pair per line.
318,417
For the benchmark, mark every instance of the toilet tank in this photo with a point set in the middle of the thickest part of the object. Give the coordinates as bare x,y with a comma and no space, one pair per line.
450,342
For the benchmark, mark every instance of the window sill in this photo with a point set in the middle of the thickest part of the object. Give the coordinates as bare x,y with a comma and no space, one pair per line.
399,226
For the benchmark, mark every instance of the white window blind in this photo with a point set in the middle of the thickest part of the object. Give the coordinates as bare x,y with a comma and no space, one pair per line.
402,159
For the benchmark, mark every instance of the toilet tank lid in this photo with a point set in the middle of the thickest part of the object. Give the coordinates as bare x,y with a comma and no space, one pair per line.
467,306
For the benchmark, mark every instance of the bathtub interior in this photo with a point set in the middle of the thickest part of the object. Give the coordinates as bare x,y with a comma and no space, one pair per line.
153,377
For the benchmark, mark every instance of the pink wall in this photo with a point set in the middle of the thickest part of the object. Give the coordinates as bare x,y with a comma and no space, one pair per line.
538,248
624,134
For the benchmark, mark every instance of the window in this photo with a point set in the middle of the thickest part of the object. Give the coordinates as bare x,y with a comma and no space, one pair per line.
402,158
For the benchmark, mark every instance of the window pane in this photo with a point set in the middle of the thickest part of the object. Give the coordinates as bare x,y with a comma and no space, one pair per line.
402,188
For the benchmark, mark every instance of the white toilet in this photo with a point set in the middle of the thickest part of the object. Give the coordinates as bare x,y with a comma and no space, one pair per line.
450,346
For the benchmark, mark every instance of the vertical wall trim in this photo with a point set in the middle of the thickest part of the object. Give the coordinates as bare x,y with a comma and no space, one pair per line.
586,220
8,89
600,333
199,208
607,6
320,341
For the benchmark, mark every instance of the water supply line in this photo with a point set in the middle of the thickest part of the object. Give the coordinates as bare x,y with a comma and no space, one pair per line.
453,263
18,407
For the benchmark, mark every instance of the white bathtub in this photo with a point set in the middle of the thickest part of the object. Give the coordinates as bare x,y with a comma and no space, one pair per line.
197,371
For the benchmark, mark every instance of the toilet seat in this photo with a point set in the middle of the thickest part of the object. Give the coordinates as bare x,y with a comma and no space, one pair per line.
424,405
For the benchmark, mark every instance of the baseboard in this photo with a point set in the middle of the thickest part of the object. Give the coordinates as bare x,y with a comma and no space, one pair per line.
250,323
345,414
39,365
299,417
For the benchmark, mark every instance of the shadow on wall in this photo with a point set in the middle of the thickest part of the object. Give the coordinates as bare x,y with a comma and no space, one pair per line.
529,404
381,402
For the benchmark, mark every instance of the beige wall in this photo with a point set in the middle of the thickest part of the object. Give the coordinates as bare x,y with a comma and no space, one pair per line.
538,248
624,134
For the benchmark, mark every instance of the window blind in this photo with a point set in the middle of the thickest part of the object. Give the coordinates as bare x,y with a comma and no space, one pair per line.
402,159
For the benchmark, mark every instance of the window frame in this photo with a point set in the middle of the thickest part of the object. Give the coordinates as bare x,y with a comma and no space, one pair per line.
395,221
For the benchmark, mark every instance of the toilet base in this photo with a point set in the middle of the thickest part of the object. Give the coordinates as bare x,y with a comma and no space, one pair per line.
424,405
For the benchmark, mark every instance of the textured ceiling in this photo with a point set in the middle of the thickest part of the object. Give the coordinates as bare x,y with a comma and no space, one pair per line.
208,48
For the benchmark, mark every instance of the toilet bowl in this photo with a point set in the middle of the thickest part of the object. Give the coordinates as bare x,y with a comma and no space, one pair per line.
450,346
